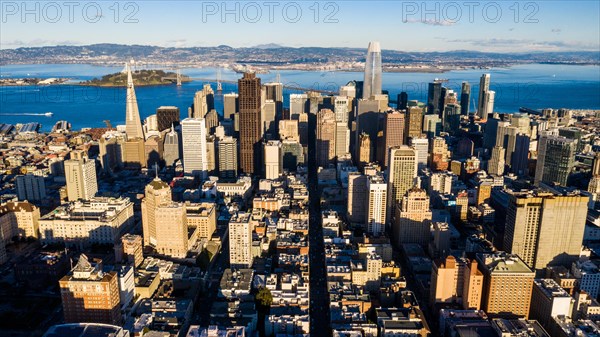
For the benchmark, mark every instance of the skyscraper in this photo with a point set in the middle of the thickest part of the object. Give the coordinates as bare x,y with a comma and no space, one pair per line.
402,100
435,99
439,154
133,123
228,159
230,105
193,134
172,147
421,145
465,96
413,218
376,205
240,241
81,178
364,149
544,228
393,134
372,82
157,192
134,151
496,162
485,105
556,157
401,174
414,119
172,233
326,136
507,286
250,123
357,196
166,116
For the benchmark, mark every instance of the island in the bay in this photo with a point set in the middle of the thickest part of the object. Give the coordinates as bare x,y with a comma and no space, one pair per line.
141,77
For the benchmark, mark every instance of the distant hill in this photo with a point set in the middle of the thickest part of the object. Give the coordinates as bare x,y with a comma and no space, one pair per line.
273,54
140,78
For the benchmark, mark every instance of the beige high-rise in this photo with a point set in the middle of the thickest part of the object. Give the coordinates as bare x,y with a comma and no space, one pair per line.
507,285
413,218
357,196
545,229
402,171
472,287
240,241
203,216
364,150
157,192
172,231
376,205
81,179
326,136
132,249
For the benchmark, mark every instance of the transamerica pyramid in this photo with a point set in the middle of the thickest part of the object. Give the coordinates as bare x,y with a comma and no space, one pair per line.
133,124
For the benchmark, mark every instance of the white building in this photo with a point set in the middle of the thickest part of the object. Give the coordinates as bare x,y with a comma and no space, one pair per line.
273,163
193,134
376,205
81,179
240,241
98,220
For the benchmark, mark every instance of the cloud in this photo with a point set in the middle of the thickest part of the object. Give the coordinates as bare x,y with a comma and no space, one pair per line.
177,43
528,44
431,22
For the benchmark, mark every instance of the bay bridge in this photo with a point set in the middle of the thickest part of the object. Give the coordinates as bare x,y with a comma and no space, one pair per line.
330,88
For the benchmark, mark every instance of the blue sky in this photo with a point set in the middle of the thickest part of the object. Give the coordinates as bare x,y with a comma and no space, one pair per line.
501,26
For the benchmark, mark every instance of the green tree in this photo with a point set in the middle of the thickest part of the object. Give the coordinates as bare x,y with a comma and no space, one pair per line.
263,298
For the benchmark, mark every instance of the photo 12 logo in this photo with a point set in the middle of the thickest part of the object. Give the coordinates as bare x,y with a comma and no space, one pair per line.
451,12
69,11
269,12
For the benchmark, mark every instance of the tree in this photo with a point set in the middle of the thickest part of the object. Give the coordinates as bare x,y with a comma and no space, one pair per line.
263,298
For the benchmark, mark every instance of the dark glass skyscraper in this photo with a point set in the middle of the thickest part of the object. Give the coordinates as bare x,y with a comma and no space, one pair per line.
250,123
435,99
465,96
402,100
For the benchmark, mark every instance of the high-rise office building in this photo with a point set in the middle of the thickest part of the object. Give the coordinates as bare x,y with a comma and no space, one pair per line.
342,139
421,145
203,102
402,101
298,105
203,217
230,105
31,187
413,218
483,105
292,154
364,150
211,121
157,192
133,123
288,129
250,123
132,246
154,150
357,196
451,118
110,146
432,125
414,119
228,161
435,99
211,155
549,300
544,228
376,205
556,158
507,285
81,178
193,139
89,295
372,81
519,163
166,117
465,96
326,135
240,241
393,134
273,164
172,231
172,147
134,151
401,174
439,154
496,162
268,117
